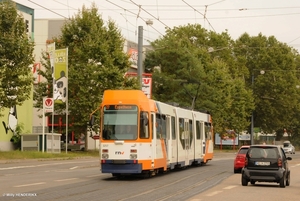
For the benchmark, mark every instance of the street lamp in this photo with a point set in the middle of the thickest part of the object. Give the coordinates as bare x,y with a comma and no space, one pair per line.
252,116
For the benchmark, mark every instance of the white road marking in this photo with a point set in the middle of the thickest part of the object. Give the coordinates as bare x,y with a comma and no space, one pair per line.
66,179
17,167
214,193
229,187
295,165
72,168
41,165
33,184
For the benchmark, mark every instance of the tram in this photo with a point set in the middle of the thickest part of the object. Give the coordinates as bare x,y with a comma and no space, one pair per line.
143,136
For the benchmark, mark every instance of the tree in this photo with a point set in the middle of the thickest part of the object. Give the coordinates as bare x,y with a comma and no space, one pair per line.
190,73
275,93
16,57
96,62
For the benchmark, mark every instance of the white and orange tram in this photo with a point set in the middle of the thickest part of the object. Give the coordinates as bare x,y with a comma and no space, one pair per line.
143,136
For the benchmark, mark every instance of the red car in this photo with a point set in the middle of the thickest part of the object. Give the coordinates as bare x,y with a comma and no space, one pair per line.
239,161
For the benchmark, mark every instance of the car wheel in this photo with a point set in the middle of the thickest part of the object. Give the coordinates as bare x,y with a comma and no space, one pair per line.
252,182
288,179
244,181
282,182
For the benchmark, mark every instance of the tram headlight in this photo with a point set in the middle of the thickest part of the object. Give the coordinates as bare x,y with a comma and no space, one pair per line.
104,156
133,156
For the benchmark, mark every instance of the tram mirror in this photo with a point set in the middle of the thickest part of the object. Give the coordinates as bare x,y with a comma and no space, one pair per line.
144,118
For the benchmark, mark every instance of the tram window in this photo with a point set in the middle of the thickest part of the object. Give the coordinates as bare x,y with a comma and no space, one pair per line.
173,128
144,128
191,131
208,131
198,131
201,130
153,124
182,132
158,126
163,127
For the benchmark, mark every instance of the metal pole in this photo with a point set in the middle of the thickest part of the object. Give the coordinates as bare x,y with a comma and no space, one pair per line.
140,56
67,98
43,131
252,118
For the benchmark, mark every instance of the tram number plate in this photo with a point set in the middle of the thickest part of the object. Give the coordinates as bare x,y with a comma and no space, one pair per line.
260,163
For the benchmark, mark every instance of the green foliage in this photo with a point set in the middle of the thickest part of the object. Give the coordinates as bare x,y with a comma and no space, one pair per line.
96,62
16,56
275,93
11,155
16,138
194,77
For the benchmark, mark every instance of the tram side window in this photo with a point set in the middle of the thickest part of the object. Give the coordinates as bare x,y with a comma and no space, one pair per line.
144,125
191,131
153,125
198,131
163,126
158,126
173,128
208,131
182,132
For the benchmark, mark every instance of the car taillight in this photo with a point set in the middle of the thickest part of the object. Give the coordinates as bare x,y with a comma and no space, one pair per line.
279,162
246,161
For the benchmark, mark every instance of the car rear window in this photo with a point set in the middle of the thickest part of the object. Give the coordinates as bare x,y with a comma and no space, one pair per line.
243,150
263,152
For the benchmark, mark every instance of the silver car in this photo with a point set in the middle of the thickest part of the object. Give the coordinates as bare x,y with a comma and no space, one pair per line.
288,147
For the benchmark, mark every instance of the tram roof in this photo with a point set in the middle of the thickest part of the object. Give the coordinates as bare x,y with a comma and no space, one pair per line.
133,97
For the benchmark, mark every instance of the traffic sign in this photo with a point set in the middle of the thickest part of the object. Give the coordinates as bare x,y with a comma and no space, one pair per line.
48,105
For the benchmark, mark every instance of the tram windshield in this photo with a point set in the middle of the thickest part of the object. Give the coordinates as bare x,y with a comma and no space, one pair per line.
120,122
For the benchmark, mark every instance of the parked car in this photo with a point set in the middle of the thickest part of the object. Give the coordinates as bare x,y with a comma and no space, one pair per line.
239,161
266,163
288,147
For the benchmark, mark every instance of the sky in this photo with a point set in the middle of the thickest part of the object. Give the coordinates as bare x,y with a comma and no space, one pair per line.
270,17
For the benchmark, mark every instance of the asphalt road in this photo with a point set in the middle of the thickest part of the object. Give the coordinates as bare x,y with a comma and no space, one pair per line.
232,189
80,179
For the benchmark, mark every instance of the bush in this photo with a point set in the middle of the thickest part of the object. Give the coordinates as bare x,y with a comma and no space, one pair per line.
16,138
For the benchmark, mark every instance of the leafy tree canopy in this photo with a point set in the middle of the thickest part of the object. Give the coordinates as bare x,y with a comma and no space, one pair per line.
274,69
16,57
204,80
96,62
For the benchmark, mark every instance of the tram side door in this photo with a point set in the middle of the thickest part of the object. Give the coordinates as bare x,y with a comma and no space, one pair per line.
186,141
169,146
203,137
154,138
198,140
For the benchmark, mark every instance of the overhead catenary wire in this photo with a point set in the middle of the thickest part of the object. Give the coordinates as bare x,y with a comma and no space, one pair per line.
204,15
134,14
47,9
150,14
157,9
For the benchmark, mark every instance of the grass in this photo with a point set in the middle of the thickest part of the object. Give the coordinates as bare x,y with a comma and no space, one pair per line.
14,155
11,155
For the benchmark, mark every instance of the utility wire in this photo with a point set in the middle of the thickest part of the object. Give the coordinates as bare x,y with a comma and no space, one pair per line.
150,14
204,15
47,9
133,14
294,40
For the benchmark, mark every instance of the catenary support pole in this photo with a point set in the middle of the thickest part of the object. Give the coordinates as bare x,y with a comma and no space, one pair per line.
140,56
